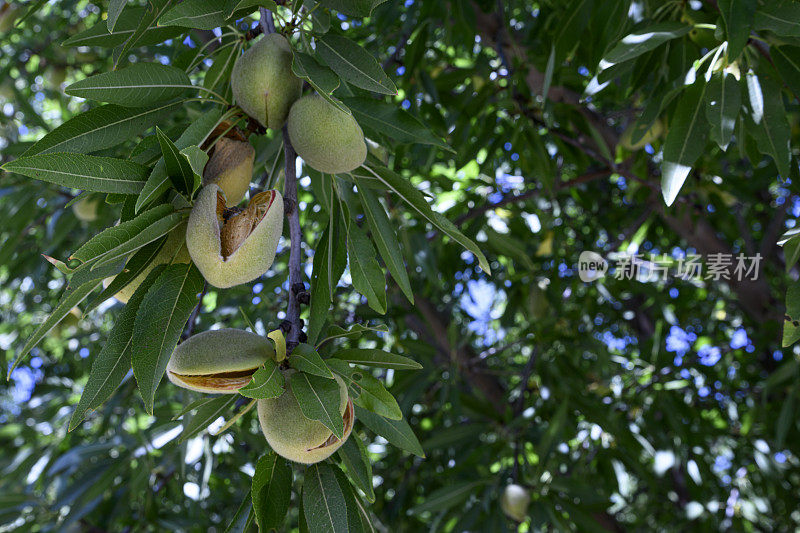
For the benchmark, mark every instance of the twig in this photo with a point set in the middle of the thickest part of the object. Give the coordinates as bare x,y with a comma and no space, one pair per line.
266,23
295,236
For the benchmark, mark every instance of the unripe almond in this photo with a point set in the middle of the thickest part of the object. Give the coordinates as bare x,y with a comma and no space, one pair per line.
327,138
263,83
85,209
231,248
297,438
231,168
515,502
174,251
219,361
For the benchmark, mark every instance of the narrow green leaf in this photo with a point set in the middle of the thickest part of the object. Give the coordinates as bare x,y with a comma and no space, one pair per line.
115,8
355,331
320,293
140,84
197,159
416,200
323,79
773,133
306,359
80,171
127,237
85,273
781,18
127,24
642,41
238,523
200,14
101,128
737,16
177,166
354,518
155,8
354,64
723,100
379,358
446,497
206,414
353,454
195,134
367,275
159,324
367,391
787,63
70,299
397,432
219,72
324,505
384,238
267,382
318,399
244,5
393,121
685,142
114,360
271,491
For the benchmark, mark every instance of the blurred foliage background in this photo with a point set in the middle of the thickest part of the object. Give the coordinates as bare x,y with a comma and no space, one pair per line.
620,404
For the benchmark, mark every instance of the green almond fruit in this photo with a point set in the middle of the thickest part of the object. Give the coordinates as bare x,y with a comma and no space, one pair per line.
231,168
263,83
231,249
220,361
328,139
515,501
293,436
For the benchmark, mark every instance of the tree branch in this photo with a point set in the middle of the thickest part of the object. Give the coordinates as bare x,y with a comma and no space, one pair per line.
295,235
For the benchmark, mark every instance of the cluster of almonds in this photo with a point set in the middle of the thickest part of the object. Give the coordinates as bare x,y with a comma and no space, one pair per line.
223,361
231,245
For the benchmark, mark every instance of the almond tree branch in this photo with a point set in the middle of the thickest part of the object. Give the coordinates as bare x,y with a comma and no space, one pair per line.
295,236
294,325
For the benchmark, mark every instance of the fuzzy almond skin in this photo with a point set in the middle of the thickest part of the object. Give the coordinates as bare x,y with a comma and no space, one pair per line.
291,434
327,138
263,83
249,261
231,168
515,502
232,354
174,251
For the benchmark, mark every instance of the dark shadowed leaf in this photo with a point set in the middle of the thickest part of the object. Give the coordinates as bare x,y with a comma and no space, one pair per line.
397,432
140,84
267,382
112,364
159,324
80,171
271,491
206,414
685,142
319,400
354,64
101,127
324,505
306,359
359,469
723,100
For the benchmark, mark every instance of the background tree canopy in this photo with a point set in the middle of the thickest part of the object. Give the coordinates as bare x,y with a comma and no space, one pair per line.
539,130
